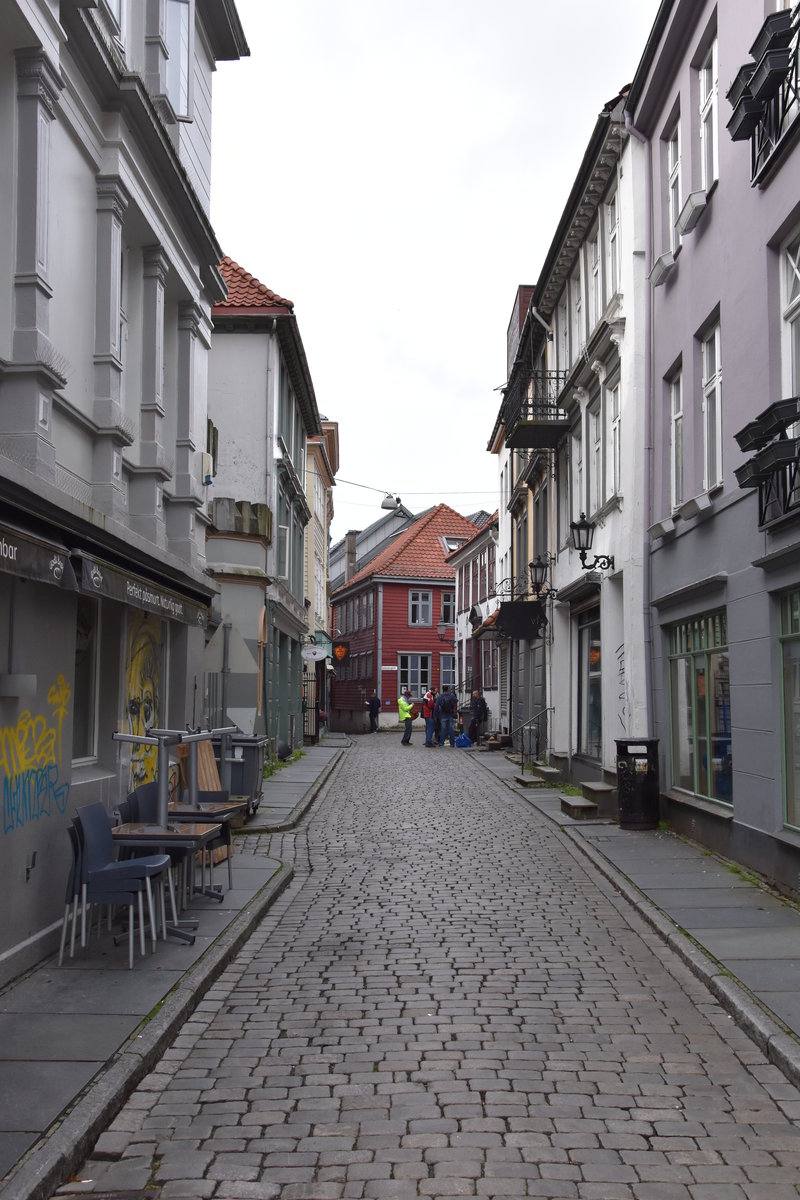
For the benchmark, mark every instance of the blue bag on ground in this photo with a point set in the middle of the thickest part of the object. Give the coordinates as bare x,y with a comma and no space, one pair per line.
463,741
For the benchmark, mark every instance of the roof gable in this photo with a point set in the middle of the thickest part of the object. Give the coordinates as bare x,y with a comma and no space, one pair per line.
419,552
247,292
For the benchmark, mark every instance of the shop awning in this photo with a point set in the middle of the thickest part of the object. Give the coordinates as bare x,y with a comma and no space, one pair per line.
99,578
31,557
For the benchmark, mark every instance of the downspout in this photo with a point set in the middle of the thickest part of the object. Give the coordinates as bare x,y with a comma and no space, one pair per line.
648,421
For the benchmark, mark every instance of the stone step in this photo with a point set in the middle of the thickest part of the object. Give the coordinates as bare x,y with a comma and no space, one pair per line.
550,774
528,781
578,808
604,795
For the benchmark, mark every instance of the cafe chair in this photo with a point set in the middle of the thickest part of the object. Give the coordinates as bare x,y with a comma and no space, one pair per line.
72,896
143,805
224,840
103,875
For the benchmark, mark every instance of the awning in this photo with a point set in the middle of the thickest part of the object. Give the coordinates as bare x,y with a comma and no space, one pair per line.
99,578
523,620
31,557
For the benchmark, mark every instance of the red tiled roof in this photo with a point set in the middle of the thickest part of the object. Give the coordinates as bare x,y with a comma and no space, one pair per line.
482,529
419,551
246,292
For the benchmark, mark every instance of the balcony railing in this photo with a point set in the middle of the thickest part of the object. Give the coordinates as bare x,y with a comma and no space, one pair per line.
765,94
775,467
533,418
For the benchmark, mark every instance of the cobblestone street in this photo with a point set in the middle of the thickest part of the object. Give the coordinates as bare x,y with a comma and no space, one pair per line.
449,1001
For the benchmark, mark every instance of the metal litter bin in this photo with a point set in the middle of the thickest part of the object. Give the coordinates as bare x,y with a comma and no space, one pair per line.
246,764
638,783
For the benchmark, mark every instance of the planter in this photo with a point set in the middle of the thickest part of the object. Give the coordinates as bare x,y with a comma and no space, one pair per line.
770,73
776,454
779,416
740,82
747,114
752,437
774,33
749,475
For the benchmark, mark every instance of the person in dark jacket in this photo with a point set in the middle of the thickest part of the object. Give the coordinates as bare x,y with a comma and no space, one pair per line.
374,707
478,713
447,708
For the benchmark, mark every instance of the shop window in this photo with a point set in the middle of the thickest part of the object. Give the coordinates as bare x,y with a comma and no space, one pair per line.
590,696
700,706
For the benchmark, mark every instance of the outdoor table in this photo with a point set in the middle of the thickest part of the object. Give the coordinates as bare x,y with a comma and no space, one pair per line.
216,810
188,834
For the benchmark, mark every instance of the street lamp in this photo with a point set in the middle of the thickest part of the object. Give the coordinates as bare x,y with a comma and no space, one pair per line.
582,537
445,633
539,571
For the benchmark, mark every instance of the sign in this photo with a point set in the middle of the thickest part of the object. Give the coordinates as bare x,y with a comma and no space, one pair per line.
314,653
100,579
341,650
30,557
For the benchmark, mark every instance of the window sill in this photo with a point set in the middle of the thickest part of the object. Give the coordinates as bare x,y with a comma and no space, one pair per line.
714,808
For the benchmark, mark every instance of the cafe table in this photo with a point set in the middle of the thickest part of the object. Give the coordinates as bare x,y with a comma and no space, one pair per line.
178,835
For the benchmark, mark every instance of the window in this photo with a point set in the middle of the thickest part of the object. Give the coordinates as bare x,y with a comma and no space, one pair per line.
482,585
179,49
419,608
449,607
415,673
87,637
674,185
612,226
356,613
447,671
615,429
590,699
488,664
282,558
712,410
790,657
369,620
676,439
491,571
700,705
708,117
791,317
577,313
578,503
596,457
593,268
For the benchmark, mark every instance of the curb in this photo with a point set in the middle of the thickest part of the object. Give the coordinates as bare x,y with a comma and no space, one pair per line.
778,1044
65,1146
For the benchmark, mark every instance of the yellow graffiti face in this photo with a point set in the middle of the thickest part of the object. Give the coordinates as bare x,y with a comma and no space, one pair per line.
143,692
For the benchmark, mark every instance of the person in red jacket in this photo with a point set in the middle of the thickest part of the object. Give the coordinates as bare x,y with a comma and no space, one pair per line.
427,712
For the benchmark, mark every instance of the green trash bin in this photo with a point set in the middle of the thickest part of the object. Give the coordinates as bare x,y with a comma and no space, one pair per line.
638,790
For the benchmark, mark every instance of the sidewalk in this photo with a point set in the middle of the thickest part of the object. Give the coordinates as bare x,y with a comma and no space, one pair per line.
65,1032
740,939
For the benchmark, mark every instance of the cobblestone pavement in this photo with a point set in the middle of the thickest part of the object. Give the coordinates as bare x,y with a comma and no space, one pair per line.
446,1002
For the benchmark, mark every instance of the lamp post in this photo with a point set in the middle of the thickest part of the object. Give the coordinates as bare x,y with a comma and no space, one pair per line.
445,633
582,537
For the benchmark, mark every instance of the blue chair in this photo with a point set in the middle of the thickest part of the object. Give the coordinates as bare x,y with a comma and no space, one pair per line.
103,876
143,802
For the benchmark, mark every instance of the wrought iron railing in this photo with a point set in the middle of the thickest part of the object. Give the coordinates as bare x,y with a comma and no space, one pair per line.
780,112
537,739
534,397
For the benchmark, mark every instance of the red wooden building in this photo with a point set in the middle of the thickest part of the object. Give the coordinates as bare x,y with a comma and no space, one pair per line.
384,621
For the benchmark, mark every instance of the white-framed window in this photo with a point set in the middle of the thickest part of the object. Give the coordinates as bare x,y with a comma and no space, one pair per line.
675,387
790,269
578,502
180,38
612,246
562,335
414,671
709,164
613,398
419,608
448,607
712,409
576,307
674,184
593,269
447,671
595,430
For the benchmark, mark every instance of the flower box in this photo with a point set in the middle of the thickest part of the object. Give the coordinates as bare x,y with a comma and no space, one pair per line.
752,437
775,32
740,82
749,474
747,114
776,454
779,416
770,73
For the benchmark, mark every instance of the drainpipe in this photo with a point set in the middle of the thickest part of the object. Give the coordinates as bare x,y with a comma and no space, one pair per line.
648,420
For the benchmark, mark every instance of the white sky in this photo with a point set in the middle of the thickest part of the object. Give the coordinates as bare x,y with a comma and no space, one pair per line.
396,170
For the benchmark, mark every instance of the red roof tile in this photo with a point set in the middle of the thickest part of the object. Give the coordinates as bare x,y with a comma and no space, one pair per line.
419,552
245,291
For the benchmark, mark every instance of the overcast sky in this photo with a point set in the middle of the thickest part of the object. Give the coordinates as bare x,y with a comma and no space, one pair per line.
396,170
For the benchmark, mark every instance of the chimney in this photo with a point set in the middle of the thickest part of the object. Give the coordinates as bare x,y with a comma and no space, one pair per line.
350,554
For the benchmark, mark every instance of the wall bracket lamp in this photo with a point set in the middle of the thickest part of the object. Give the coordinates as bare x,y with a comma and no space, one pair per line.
582,537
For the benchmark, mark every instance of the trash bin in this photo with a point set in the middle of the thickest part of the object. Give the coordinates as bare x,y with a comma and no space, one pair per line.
637,783
247,767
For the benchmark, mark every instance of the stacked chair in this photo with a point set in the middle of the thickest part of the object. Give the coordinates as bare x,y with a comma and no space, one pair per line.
96,876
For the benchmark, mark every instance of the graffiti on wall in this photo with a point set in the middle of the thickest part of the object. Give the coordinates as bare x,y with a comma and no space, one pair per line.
30,762
143,658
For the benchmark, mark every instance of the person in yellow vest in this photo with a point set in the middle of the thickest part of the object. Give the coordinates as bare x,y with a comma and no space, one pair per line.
404,710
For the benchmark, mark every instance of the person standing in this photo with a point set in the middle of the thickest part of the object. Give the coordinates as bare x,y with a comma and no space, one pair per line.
478,714
404,711
447,705
427,712
374,706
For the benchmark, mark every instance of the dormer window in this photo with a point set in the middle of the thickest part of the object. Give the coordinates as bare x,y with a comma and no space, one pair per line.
453,543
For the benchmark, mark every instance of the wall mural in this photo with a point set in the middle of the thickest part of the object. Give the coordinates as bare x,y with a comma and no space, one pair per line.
30,761
143,659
